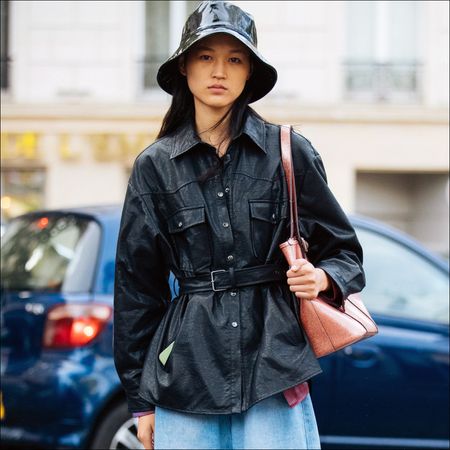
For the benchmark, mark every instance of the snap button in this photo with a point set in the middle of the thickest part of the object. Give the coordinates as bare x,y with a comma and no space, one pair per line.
220,194
273,216
180,224
230,257
227,189
234,324
225,224
233,293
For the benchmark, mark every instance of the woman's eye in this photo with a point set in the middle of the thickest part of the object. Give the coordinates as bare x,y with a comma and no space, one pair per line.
205,57
235,60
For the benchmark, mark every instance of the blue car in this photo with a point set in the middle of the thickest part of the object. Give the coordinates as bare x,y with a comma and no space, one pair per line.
60,388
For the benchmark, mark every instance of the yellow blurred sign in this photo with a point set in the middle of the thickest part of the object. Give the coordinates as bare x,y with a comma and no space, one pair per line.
19,145
65,149
2,408
104,147
118,146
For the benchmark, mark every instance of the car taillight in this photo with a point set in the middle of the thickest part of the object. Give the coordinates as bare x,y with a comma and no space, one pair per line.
71,325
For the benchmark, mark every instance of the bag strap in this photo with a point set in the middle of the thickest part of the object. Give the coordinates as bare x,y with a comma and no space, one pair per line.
286,155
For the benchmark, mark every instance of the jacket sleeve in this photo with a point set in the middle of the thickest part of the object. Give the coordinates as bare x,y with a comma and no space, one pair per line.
141,291
333,244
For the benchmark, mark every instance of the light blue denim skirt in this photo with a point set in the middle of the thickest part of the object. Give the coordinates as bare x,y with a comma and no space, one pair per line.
269,424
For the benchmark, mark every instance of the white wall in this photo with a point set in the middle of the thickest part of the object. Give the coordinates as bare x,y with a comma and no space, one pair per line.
436,54
305,40
84,51
66,51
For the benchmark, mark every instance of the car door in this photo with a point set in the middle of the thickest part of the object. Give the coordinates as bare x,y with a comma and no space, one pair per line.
392,390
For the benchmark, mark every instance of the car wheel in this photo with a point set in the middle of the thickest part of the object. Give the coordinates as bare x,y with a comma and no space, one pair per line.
118,430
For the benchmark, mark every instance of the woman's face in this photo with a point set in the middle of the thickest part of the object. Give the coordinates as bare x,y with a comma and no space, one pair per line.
217,68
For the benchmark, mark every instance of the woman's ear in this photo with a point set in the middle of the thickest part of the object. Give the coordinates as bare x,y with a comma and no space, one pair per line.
182,64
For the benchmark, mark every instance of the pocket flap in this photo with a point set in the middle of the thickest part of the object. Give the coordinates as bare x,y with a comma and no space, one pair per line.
264,210
185,218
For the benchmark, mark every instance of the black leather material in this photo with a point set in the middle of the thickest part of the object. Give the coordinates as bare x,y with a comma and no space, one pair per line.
237,346
210,17
231,278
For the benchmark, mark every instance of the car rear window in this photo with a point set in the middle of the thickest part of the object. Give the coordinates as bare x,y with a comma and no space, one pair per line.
56,253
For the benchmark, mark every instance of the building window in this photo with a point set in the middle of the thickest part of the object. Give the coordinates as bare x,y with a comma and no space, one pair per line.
4,44
382,51
163,23
22,190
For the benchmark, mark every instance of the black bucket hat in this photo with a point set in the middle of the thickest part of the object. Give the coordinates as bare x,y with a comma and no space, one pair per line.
212,17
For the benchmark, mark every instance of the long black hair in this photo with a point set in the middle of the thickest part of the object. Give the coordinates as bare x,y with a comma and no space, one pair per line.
182,109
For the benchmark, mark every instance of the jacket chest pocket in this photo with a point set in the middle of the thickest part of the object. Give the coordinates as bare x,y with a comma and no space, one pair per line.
191,238
264,218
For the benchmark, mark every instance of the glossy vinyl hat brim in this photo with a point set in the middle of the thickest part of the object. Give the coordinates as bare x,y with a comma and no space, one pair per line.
261,82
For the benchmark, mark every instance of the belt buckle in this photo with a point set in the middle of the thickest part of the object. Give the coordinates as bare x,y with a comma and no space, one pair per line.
212,280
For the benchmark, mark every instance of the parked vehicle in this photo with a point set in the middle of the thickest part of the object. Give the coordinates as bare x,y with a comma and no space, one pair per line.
60,388
2,228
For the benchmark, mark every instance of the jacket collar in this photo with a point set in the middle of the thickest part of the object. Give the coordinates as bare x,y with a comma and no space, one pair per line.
185,137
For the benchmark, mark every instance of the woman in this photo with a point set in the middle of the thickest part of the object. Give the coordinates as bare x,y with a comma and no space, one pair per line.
226,364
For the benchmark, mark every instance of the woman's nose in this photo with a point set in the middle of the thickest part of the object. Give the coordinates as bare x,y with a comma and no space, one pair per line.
219,70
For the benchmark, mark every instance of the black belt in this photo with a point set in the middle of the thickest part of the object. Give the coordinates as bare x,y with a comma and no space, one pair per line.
223,279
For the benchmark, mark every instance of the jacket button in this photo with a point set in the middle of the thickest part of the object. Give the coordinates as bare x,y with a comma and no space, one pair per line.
226,224
234,324
273,216
233,293
227,189
230,257
180,224
220,194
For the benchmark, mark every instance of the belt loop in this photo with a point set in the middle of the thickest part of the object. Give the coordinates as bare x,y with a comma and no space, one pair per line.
232,278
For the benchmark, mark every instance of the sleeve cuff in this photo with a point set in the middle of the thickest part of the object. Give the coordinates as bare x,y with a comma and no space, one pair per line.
143,413
333,295
137,404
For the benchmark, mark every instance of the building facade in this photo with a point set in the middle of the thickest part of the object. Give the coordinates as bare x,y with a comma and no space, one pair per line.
365,81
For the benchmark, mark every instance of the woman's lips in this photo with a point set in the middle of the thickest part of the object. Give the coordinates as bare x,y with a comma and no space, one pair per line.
217,88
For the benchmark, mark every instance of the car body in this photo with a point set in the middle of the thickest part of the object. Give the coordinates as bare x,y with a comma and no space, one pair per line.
2,227
60,389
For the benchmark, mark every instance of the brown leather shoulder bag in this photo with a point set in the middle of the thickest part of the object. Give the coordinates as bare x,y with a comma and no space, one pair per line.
327,327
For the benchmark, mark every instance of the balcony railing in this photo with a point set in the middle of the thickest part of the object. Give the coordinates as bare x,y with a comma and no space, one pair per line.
383,82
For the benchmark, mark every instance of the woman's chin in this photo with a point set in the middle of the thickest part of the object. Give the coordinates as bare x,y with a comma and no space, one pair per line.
218,102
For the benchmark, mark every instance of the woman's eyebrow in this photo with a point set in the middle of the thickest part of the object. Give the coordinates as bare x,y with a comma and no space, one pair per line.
209,49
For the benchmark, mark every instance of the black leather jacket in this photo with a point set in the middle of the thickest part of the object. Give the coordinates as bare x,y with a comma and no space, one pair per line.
224,350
